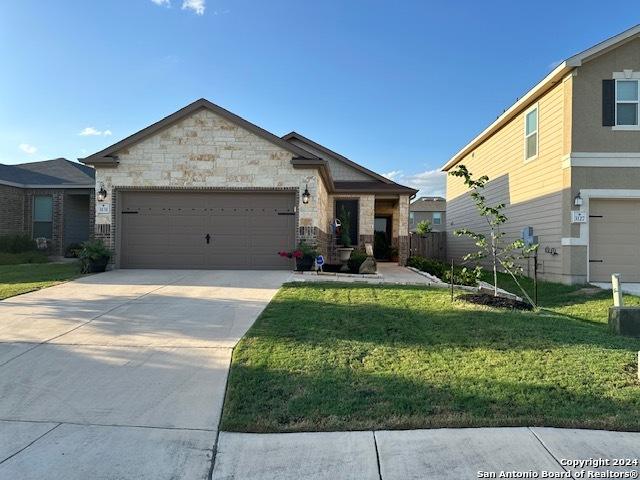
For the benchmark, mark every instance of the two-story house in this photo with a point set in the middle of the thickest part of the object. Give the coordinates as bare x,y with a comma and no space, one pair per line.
565,158
429,209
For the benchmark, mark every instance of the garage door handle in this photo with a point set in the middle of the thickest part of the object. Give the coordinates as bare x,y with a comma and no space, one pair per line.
207,238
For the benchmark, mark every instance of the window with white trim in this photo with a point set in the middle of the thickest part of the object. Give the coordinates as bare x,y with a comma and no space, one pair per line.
43,216
437,218
411,218
627,99
531,133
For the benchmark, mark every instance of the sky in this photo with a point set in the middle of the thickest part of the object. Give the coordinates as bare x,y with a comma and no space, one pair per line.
397,86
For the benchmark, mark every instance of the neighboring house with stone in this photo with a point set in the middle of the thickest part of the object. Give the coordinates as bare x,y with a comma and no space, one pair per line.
565,159
204,188
52,199
430,209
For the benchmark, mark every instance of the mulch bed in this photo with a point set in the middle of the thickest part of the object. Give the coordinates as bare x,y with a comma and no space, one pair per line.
491,301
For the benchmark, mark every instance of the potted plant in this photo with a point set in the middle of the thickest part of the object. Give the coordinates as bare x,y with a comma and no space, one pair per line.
94,256
344,252
304,256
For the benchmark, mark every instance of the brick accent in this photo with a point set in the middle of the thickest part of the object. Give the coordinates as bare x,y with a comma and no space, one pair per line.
11,210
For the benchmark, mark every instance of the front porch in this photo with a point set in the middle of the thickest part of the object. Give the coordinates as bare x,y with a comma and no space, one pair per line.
381,220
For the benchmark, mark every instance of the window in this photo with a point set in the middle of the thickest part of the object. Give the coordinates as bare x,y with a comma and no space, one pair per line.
437,218
627,102
531,133
411,218
42,216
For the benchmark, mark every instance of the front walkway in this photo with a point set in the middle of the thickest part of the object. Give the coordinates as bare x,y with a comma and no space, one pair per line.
439,454
388,273
122,375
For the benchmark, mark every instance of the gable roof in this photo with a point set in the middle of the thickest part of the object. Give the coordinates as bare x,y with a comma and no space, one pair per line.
58,172
543,86
106,156
295,135
378,183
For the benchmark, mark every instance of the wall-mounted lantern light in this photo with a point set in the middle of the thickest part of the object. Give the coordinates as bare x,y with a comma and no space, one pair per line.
306,195
577,200
102,193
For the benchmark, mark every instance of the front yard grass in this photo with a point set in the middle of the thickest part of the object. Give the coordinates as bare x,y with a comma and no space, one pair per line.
352,357
18,279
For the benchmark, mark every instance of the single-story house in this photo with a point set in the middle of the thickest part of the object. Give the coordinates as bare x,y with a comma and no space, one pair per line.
565,160
204,188
52,199
430,209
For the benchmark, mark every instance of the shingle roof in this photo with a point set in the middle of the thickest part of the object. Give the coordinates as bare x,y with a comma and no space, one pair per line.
428,204
56,172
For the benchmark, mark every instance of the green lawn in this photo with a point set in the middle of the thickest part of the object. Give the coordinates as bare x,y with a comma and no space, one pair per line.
17,279
578,301
351,357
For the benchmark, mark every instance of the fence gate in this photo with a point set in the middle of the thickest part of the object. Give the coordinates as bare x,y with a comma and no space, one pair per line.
431,245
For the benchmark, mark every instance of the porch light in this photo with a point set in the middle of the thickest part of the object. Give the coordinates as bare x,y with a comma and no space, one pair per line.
577,200
306,195
102,193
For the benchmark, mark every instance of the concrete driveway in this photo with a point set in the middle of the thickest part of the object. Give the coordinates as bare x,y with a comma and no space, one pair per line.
121,375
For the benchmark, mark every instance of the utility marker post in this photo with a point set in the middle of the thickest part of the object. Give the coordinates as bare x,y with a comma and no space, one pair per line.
617,292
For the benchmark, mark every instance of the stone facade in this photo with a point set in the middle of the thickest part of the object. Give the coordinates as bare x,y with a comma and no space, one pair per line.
206,151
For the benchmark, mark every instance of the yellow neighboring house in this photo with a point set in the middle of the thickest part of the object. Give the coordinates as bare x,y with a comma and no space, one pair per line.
565,158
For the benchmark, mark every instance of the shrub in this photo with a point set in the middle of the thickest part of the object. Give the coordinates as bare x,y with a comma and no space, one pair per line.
93,251
17,243
461,276
22,257
423,227
72,250
356,259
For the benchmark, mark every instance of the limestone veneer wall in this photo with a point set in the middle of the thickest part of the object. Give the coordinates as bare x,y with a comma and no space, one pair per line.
206,151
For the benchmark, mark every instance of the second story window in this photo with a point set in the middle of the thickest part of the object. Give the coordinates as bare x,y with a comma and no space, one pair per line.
531,133
437,218
627,102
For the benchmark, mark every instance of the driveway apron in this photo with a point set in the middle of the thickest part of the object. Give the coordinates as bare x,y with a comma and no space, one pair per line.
122,374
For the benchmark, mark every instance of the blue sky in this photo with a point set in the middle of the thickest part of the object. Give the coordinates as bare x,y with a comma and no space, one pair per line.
396,86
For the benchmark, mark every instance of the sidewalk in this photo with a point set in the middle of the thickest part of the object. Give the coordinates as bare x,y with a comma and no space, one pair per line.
456,454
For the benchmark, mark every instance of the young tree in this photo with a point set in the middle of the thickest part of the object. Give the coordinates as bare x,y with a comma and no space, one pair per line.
502,253
423,227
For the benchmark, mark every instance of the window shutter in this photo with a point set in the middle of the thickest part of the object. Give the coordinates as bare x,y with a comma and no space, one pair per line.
608,103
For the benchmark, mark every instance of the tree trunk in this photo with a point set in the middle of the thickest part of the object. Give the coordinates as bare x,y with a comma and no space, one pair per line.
495,264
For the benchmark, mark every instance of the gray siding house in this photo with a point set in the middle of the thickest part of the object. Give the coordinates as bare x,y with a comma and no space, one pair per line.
431,209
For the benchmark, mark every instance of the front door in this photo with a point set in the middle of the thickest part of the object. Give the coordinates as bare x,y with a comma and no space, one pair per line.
382,237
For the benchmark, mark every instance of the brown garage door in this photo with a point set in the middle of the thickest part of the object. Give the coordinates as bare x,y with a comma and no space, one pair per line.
614,240
206,230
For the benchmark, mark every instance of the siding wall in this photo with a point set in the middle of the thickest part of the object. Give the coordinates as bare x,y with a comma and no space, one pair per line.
533,190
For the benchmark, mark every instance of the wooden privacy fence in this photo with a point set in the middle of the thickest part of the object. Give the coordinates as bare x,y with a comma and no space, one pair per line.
430,245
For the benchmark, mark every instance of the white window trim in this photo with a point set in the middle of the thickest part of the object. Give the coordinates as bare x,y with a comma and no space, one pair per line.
625,75
630,102
433,217
537,132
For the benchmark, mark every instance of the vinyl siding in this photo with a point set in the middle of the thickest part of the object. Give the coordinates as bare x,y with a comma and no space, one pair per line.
532,190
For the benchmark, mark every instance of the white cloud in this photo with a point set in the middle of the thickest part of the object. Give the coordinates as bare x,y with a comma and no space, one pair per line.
393,174
92,132
197,6
429,183
26,148
162,2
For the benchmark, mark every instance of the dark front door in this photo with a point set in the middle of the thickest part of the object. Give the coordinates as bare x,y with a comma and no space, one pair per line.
382,237
239,230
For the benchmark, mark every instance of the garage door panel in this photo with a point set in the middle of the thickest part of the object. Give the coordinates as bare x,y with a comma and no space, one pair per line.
169,229
614,239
